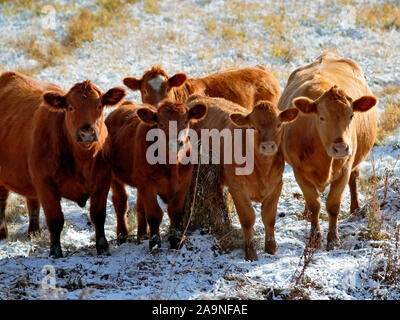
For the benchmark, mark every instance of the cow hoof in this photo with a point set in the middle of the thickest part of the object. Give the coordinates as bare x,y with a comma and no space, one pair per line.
34,231
333,244
315,240
332,239
250,250
175,238
270,246
122,238
102,247
155,242
55,251
3,233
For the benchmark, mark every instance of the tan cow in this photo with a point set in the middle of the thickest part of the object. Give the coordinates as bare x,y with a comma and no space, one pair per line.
263,181
333,135
244,86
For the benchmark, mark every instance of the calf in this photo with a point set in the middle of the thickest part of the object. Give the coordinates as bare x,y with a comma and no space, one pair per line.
335,132
129,127
52,145
244,86
262,184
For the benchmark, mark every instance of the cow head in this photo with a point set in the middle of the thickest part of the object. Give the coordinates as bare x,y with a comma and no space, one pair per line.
174,118
83,107
334,112
155,85
267,122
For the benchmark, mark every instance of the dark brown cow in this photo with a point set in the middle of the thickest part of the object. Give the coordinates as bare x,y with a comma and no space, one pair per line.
52,145
243,86
332,136
263,181
129,126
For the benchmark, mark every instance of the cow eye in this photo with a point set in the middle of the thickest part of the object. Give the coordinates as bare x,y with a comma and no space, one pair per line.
278,125
351,117
100,107
70,108
322,118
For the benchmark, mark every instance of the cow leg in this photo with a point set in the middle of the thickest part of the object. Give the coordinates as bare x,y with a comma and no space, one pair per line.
268,213
4,193
50,200
175,212
120,202
333,207
34,211
355,204
154,216
141,218
247,219
313,205
98,203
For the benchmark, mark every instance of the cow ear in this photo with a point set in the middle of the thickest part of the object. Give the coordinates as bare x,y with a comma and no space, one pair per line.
305,105
113,96
177,80
55,101
132,83
364,103
240,119
288,115
147,116
197,112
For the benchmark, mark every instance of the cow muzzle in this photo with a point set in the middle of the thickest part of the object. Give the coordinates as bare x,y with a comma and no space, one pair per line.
86,135
268,148
339,150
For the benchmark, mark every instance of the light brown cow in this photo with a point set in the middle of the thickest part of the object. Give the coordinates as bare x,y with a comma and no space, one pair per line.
262,184
335,132
52,145
245,86
129,125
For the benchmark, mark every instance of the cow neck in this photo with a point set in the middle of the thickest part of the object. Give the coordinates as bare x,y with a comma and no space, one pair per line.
327,163
263,163
182,93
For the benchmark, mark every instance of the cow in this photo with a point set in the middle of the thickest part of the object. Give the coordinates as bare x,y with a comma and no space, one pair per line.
129,127
243,86
332,136
264,182
54,145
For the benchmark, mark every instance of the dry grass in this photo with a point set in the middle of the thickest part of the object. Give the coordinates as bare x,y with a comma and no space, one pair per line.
151,6
45,55
387,273
389,121
16,209
383,16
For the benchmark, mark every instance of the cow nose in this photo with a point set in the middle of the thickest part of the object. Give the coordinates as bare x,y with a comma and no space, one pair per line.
340,149
269,147
86,134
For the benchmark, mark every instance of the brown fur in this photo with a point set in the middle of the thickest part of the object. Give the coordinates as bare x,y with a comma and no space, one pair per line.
169,181
40,157
330,92
244,86
264,183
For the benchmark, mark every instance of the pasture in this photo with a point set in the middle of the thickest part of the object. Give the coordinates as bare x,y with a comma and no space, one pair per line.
107,40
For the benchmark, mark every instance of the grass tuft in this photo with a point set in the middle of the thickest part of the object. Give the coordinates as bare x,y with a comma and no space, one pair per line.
384,16
389,121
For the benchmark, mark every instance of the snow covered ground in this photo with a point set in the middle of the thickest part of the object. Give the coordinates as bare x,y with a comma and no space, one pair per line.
186,36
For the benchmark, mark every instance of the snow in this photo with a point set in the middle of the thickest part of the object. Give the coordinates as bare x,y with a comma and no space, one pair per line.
201,270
